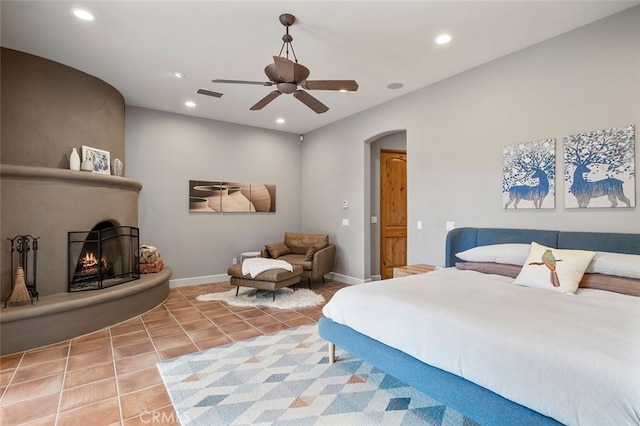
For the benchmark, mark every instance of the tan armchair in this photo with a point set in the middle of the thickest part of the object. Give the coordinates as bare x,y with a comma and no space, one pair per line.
313,252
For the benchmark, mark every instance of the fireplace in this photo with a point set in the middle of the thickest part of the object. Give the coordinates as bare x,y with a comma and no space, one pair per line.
103,257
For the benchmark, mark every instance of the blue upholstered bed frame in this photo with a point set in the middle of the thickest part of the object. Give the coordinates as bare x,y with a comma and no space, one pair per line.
475,402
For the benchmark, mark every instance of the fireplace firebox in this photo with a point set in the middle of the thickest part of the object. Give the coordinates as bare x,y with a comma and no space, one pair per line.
103,257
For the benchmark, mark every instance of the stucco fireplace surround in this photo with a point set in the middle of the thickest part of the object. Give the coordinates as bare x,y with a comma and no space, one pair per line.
48,109
64,201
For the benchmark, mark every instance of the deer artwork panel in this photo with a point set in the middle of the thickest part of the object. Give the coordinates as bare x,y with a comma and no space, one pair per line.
599,168
528,177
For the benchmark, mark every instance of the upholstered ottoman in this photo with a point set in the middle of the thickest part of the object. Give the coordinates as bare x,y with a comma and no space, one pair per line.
273,279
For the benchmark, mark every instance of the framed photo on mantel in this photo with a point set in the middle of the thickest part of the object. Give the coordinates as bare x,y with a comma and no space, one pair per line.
99,158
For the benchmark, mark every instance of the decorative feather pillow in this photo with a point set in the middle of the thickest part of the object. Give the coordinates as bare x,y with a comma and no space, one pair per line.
554,269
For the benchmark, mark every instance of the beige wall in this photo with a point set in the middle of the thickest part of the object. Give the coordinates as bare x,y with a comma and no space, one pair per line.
49,108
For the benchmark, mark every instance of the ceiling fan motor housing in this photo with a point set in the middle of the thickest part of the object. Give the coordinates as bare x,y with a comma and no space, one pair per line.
287,87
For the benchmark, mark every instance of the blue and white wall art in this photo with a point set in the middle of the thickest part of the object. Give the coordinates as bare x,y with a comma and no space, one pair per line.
528,178
599,168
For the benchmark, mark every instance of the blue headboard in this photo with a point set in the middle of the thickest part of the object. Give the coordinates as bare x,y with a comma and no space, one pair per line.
461,239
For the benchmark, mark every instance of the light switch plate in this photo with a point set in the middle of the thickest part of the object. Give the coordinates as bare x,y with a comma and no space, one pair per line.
449,225
345,222
374,219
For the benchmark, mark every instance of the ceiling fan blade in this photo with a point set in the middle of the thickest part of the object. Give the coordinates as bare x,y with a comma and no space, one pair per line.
259,83
310,101
209,93
349,85
289,71
272,73
265,101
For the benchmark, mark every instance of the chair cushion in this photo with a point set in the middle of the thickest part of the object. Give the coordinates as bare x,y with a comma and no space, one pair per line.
298,259
276,250
314,248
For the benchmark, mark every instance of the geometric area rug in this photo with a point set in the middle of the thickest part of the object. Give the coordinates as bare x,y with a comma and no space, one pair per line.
285,378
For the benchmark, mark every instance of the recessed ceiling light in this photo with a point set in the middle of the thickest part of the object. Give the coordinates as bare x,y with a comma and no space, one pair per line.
190,104
83,14
177,74
443,39
280,121
394,86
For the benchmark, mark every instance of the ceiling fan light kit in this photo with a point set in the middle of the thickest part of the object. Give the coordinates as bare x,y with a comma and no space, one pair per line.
288,75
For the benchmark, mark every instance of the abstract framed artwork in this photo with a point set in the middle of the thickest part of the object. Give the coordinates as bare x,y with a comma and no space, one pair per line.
528,175
599,168
231,197
99,158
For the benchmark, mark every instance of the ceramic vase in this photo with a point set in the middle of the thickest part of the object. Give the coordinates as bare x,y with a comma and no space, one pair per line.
198,203
219,198
87,166
238,196
74,160
260,197
117,167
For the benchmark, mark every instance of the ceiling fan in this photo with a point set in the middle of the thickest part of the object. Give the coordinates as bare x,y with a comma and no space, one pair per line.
287,75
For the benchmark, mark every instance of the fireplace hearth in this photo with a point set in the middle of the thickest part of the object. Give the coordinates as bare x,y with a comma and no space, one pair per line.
103,257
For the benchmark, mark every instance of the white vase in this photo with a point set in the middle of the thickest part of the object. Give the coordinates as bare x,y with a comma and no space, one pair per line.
74,160
117,167
87,165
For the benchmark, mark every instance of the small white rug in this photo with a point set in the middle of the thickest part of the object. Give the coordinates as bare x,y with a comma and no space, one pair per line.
286,298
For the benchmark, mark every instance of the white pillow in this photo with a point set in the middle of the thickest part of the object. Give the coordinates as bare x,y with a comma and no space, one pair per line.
622,265
512,254
561,272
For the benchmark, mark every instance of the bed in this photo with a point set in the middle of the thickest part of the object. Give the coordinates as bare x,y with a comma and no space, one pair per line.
501,353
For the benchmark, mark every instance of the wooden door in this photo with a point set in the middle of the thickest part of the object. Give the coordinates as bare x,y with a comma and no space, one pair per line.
393,211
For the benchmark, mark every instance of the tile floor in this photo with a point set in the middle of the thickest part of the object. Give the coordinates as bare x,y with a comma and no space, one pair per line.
109,377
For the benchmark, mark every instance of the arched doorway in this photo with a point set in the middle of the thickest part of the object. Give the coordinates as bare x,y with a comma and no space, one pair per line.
392,141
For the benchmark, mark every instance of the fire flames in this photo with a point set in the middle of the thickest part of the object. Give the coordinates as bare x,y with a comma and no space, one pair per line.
90,262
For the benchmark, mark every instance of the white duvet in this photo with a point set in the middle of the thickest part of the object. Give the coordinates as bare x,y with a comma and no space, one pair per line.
575,358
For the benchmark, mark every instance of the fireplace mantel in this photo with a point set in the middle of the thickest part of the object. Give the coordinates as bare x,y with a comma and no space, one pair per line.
85,178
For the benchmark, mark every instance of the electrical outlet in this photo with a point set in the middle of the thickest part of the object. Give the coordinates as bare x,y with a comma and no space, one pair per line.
449,225
345,222
419,224
235,261
374,219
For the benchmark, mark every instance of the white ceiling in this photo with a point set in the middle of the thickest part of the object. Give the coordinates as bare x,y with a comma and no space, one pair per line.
136,45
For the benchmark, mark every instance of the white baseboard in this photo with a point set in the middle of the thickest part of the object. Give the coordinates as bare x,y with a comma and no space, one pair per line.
207,279
347,279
